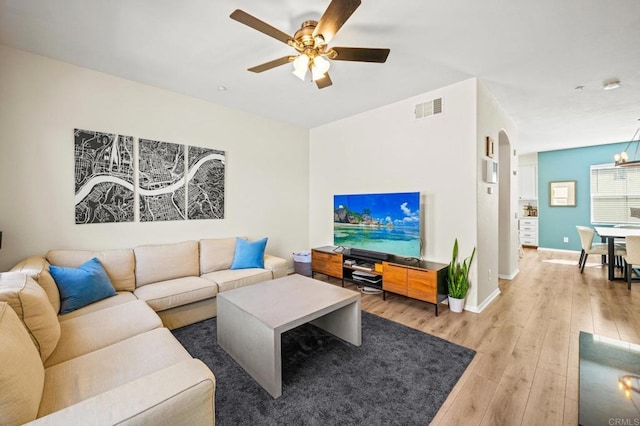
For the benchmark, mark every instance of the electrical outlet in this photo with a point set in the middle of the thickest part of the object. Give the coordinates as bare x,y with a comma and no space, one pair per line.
565,239
489,274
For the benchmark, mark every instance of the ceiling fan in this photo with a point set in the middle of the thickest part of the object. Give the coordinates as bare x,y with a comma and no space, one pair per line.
311,43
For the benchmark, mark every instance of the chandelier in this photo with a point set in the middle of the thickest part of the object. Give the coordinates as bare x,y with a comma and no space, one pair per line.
622,159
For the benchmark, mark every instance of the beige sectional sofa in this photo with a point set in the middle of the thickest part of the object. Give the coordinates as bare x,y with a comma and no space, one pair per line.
115,361
179,281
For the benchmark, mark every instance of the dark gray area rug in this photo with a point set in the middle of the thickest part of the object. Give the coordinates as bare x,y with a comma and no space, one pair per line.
398,376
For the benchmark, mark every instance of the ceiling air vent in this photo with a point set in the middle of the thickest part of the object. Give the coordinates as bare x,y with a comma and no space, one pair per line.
428,108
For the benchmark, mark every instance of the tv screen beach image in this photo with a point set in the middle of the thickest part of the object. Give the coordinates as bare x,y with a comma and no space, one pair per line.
386,223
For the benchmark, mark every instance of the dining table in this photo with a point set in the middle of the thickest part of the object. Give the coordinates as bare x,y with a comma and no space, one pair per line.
610,234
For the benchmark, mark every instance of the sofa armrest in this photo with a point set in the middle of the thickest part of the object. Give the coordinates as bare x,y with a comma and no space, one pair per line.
180,394
37,267
277,265
32,266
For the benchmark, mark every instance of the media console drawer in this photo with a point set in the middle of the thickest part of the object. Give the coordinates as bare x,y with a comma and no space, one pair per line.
419,283
394,278
326,263
422,285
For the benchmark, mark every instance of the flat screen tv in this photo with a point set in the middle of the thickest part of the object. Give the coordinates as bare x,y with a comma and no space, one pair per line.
385,223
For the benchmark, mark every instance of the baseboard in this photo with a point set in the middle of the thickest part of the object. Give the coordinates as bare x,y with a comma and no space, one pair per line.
558,250
484,304
509,277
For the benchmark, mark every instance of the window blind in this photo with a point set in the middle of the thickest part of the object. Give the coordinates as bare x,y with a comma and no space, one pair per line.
615,194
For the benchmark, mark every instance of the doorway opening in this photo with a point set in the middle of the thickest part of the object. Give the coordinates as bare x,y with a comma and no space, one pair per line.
507,223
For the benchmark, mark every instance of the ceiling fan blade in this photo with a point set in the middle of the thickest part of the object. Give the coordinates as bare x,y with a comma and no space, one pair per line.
334,17
360,54
272,64
324,81
253,22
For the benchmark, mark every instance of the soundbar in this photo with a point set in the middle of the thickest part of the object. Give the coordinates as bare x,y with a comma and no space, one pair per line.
368,254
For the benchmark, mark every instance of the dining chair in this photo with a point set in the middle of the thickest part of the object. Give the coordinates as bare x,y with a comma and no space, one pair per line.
589,247
632,257
621,244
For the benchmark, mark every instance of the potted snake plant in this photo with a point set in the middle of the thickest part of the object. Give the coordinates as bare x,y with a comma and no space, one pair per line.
458,279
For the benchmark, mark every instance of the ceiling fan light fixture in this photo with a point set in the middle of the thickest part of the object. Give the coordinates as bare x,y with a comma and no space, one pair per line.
301,74
319,68
300,66
311,43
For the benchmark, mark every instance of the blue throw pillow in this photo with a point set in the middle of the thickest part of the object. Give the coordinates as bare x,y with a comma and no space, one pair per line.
81,286
249,254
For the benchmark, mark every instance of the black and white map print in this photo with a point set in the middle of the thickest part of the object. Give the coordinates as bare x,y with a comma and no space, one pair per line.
205,198
103,177
161,180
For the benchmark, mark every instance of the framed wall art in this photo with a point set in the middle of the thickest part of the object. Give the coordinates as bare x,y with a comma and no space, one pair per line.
103,165
562,193
489,147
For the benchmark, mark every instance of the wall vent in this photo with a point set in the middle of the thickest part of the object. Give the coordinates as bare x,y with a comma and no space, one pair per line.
428,108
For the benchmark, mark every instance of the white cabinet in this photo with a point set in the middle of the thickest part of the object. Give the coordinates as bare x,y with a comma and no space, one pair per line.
528,231
528,182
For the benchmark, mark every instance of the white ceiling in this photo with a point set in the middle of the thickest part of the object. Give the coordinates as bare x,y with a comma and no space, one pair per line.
530,54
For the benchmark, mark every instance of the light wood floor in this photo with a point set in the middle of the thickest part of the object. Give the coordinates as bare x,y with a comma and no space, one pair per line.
526,367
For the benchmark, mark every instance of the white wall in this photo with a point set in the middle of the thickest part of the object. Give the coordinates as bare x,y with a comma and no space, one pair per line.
388,150
508,225
43,100
528,159
491,121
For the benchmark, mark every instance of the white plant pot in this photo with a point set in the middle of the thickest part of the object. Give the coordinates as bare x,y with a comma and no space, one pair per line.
456,305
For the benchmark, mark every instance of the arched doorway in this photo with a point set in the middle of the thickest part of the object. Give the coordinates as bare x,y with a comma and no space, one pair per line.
507,200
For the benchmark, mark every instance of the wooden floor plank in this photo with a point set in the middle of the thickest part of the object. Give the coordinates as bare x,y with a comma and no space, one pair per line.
498,352
471,402
573,367
581,317
546,400
510,399
555,348
570,417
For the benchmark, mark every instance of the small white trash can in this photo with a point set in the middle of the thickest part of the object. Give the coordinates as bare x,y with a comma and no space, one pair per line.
302,263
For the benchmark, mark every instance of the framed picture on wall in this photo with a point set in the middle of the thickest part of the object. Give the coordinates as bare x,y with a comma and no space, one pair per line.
489,147
562,193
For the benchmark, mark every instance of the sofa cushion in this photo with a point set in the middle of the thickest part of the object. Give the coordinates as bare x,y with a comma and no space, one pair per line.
249,254
236,278
108,368
276,265
165,262
96,330
31,303
216,254
37,268
81,286
181,394
180,291
120,298
22,374
119,264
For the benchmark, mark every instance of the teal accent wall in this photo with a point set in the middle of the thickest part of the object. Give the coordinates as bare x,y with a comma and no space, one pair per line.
554,223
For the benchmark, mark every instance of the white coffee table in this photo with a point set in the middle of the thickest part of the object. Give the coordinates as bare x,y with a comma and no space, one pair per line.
252,319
